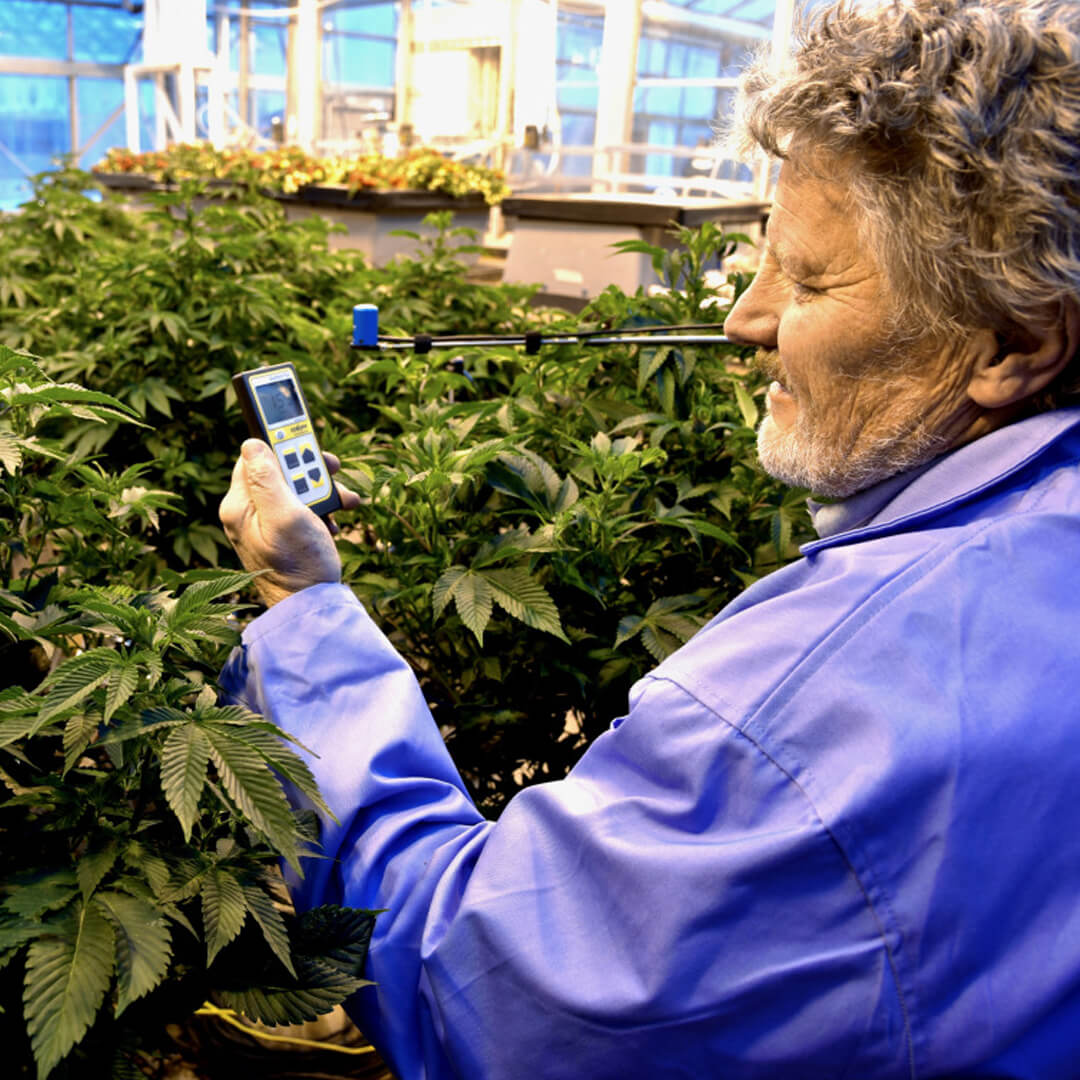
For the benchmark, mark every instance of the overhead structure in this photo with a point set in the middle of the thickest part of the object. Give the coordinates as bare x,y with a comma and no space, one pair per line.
176,60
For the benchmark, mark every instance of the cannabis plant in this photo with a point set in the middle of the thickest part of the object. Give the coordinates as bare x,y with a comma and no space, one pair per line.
141,822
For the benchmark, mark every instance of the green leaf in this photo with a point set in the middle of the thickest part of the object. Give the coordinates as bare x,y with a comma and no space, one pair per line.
319,992
780,532
443,590
473,597
650,362
10,360
329,946
197,599
629,627
747,405
78,731
184,758
32,899
123,681
67,977
263,911
10,452
268,742
254,788
75,679
659,643
15,935
92,868
522,596
223,909
143,945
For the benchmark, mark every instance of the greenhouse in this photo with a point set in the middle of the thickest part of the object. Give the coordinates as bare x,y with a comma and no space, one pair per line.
535,539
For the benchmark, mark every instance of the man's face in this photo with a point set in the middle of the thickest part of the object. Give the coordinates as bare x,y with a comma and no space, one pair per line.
850,404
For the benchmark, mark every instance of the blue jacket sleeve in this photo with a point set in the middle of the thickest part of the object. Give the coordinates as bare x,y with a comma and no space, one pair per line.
673,907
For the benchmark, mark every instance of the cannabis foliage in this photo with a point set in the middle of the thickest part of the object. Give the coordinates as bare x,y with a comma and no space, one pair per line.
141,822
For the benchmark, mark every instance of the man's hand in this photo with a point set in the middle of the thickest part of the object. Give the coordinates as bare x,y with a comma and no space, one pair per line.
272,530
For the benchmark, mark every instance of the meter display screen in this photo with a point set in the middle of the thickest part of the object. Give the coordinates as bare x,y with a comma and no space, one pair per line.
279,401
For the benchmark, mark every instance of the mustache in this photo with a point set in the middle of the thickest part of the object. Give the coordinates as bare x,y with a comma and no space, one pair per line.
767,363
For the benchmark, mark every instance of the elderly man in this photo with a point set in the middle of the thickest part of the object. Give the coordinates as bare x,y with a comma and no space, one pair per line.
837,834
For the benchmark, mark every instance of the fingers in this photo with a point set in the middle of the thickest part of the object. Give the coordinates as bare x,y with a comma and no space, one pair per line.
349,499
236,505
266,483
333,462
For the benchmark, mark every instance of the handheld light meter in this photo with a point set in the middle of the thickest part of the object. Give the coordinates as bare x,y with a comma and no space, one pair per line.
275,410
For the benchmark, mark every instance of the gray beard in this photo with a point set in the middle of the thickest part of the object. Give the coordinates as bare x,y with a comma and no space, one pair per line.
803,459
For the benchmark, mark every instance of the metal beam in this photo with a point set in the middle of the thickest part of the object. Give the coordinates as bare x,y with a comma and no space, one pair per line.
29,65
114,115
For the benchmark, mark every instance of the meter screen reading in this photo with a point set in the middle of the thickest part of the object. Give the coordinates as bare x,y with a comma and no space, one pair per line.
279,401
273,406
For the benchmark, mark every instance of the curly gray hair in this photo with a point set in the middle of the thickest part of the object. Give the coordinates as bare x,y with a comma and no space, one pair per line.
960,120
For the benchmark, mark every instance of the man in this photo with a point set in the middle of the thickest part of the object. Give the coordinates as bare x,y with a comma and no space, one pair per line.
837,833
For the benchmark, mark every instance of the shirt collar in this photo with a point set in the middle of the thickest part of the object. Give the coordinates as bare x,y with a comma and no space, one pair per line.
941,484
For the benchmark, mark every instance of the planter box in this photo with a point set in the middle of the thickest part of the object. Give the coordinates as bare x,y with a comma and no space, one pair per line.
564,241
369,216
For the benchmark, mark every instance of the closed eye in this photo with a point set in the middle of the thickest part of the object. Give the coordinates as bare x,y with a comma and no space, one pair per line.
803,293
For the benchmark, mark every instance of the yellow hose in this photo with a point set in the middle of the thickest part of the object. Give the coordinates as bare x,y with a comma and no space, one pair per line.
230,1018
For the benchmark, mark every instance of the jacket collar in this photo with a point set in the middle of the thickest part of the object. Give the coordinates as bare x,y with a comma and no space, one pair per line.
944,483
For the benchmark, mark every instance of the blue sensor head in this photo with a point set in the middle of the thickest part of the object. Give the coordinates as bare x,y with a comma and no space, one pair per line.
365,321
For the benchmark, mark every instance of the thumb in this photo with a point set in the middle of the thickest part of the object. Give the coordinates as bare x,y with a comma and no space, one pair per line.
265,481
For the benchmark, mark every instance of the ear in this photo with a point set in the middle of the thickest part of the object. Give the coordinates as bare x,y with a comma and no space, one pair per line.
1008,369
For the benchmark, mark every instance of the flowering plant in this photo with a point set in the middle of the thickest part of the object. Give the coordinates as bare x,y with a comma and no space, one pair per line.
288,169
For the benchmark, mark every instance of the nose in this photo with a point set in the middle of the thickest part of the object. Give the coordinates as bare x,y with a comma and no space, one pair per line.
755,318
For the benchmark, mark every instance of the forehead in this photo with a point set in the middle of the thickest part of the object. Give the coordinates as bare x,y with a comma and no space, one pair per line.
813,215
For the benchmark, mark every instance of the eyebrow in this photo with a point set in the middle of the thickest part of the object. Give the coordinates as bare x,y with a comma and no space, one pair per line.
788,259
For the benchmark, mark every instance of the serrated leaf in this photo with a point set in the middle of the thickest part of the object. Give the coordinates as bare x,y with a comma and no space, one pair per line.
329,946
123,681
254,788
198,597
92,868
78,731
223,908
15,935
10,360
13,728
650,362
32,899
184,759
443,590
67,977
61,393
10,452
155,667
473,597
292,1004
269,745
76,679
659,643
143,945
518,593
629,627
684,627
263,911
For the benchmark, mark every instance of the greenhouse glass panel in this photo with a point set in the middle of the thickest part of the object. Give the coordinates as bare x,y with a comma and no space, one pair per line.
107,37
35,126
98,100
359,61
371,19
269,46
29,28
578,40
265,106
